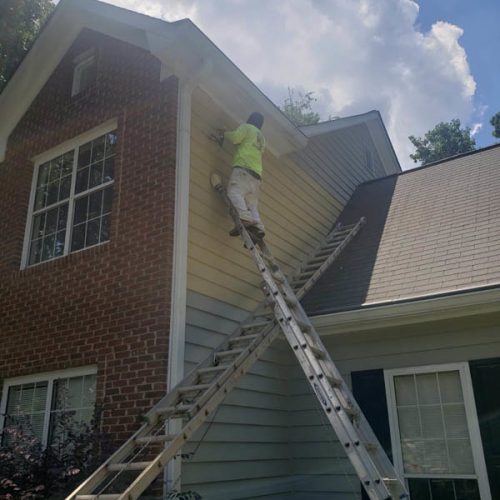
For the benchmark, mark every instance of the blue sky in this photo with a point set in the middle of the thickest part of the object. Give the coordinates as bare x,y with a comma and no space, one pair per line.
418,62
481,40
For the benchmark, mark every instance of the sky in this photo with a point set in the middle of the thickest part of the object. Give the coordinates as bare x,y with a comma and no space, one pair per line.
418,62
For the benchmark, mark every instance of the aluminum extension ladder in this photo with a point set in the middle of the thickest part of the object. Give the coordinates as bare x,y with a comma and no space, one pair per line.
127,473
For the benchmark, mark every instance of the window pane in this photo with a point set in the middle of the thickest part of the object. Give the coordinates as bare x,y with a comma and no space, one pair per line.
105,223
26,406
427,388
41,197
95,204
110,144
78,240
38,225
64,187
84,155
81,206
67,163
72,404
409,422
52,193
43,174
405,390
55,169
51,221
107,201
97,149
62,217
95,174
59,245
450,387
442,489
93,230
48,247
82,180
35,252
108,169
432,421
419,489
466,489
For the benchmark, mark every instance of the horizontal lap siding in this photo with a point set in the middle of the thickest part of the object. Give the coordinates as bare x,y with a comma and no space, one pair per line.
243,451
320,467
260,445
296,209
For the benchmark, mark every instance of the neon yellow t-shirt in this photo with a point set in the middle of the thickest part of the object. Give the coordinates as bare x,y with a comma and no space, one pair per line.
250,145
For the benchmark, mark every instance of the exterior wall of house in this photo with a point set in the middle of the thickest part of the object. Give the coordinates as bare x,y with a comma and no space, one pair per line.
316,460
107,305
246,451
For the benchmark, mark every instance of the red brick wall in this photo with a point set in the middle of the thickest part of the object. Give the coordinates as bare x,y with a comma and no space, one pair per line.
108,305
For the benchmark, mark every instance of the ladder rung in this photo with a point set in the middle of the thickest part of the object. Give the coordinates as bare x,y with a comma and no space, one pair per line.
229,353
319,353
257,324
351,411
160,438
98,497
194,388
212,369
334,381
129,466
305,327
243,338
174,410
371,447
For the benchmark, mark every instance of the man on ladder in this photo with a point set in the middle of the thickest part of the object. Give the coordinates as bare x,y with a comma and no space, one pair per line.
244,184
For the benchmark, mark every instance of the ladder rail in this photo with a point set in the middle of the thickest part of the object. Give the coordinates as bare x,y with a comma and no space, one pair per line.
288,317
359,455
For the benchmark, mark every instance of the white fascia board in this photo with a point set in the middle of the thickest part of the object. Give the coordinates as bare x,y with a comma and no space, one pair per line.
466,303
377,131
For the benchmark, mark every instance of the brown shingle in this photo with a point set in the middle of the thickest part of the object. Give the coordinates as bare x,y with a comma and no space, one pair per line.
428,231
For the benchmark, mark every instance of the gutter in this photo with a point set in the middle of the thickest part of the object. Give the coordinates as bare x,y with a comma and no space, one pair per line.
456,304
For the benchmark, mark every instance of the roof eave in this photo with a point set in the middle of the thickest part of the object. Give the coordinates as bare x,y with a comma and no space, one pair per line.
180,46
456,304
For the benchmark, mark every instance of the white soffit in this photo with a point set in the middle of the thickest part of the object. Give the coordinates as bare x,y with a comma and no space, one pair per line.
181,47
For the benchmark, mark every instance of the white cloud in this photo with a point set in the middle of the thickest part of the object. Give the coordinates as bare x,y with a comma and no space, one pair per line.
476,127
356,55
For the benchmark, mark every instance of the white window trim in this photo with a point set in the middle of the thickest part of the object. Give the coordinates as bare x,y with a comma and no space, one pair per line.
81,62
472,422
48,377
38,160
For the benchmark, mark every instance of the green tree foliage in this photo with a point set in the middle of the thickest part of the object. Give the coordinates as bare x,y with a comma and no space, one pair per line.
495,121
20,22
298,108
444,140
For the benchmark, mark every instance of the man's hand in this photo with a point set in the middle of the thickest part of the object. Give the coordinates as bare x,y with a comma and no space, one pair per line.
218,136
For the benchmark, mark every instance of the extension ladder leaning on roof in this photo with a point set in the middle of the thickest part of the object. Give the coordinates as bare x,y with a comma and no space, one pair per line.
200,393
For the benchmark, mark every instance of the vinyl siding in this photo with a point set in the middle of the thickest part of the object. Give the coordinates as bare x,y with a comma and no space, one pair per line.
442,342
302,195
249,449
243,452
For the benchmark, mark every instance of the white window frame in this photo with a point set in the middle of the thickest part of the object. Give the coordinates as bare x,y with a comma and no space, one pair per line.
50,378
472,422
42,158
82,62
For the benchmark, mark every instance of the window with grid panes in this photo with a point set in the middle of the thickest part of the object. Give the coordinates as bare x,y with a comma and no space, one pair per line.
37,405
72,200
435,446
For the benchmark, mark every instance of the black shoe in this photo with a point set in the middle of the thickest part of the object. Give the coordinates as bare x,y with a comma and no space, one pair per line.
256,232
234,232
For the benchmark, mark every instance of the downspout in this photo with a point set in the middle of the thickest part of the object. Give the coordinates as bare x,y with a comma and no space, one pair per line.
176,347
176,343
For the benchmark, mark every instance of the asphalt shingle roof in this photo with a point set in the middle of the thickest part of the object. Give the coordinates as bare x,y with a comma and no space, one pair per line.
431,230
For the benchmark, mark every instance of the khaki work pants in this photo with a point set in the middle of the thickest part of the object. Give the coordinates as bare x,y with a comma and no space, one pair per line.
243,191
